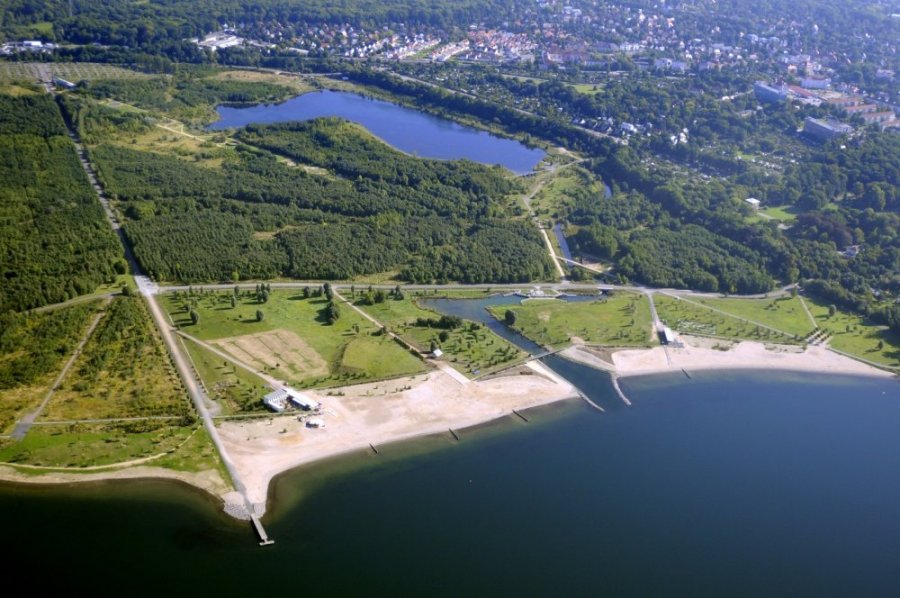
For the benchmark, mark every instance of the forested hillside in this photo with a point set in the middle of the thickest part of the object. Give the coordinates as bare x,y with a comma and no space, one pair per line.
54,241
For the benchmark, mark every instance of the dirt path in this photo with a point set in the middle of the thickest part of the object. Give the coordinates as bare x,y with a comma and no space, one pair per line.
75,301
812,319
26,422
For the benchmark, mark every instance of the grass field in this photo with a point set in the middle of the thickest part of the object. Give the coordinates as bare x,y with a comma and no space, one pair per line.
70,71
693,319
588,88
123,371
234,389
556,197
33,349
472,349
854,335
80,445
785,313
622,320
298,84
197,453
783,214
294,342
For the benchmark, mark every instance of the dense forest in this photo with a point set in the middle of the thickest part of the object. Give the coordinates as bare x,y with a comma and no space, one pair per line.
54,241
255,215
157,24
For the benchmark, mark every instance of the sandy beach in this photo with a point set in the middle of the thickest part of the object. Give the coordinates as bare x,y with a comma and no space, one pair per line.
698,353
379,413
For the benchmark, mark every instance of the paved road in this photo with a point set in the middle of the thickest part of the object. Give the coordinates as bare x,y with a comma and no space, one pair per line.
511,287
149,290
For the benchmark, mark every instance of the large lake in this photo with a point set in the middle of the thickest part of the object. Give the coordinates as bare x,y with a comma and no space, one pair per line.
408,130
740,484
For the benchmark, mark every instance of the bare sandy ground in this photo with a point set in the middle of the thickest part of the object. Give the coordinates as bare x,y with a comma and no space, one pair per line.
379,413
699,354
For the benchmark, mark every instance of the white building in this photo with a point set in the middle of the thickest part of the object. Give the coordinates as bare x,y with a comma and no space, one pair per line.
754,203
281,399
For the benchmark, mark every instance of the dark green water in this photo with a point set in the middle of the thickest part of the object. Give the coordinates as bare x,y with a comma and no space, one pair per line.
727,484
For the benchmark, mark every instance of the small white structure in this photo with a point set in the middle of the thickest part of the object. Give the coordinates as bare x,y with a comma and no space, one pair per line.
276,401
315,422
754,203
437,353
280,399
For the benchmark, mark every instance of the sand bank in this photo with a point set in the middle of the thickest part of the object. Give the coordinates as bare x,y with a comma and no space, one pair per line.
379,413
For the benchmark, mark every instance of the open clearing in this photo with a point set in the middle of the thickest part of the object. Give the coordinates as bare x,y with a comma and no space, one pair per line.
700,320
277,350
471,348
294,341
621,320
123,371
855,335
784,313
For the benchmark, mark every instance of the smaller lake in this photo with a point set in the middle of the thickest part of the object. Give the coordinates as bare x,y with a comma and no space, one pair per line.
406,129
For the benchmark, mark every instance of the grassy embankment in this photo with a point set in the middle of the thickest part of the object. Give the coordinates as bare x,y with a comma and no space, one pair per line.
122,372
294,342
855,335
471,348
783,313
849,333
690,318
622,320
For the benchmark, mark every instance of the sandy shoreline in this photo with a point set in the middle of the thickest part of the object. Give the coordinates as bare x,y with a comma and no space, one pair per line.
210,481
380,413
699,354
389,411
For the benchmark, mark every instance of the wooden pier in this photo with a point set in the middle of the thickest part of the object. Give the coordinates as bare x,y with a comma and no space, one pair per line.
455,435
524,419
